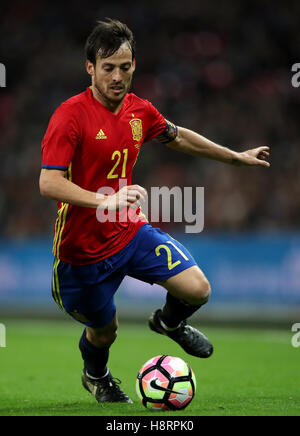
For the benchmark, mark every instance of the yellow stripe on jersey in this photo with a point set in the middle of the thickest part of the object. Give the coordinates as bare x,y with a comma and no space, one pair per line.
69,174
139,149
58,227
64,217
61,220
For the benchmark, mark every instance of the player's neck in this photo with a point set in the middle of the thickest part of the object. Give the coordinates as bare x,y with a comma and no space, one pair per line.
108,104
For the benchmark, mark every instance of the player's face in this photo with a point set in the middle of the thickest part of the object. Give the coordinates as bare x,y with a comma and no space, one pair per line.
112,76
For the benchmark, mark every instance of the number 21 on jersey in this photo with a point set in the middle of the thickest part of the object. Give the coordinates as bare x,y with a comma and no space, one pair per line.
119,166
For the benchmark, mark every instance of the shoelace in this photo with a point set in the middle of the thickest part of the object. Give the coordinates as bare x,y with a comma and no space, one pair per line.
113,384
181,329
186,331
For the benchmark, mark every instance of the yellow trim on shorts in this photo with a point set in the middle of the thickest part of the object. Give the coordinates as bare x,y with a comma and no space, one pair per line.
55,285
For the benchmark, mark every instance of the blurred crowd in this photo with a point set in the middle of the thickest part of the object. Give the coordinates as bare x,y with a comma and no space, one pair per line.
221,68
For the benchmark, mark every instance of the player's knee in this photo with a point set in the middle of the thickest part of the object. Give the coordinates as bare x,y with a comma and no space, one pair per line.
205,291
106,340
103,339
200,291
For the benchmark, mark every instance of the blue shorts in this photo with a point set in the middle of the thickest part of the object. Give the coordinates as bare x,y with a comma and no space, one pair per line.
87,292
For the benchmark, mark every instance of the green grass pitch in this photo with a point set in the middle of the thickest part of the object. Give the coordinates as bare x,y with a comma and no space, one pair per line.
252,372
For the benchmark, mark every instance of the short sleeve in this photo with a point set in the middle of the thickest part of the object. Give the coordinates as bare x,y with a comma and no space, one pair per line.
60,140
157,123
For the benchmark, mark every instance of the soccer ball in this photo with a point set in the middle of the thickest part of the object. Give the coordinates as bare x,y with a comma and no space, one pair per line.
166,383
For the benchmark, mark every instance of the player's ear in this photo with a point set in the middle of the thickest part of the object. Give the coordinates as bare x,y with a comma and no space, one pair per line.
90,68
133,64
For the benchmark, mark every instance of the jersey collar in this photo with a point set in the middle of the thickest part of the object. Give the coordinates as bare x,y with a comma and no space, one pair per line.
100,105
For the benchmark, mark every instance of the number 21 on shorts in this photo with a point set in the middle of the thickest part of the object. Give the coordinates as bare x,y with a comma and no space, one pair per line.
171,264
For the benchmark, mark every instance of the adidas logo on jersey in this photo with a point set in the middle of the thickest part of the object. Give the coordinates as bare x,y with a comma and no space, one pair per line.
101,135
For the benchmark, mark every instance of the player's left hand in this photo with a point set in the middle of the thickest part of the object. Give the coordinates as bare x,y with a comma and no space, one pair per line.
255,156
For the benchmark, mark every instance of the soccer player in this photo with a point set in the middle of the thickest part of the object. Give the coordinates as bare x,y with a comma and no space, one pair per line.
92,142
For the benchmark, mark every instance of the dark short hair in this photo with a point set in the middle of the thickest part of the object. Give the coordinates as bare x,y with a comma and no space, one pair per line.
106,38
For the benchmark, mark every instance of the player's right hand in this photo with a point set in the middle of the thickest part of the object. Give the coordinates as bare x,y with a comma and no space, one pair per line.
132,195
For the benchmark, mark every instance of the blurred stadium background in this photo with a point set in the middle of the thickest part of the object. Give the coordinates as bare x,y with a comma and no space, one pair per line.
221,68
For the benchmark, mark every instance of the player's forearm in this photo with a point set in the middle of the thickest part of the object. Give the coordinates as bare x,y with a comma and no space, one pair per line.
65,191
192,143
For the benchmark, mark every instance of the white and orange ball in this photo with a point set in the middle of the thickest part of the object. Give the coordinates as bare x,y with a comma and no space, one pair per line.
166,383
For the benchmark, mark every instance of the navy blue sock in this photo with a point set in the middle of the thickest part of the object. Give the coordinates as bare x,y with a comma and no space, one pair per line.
95,359
175,311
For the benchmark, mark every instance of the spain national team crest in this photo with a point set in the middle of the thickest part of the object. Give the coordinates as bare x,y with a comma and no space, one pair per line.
137,129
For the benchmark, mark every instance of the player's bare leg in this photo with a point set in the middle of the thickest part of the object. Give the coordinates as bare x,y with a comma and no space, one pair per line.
96,377
103,337
187,292
190,285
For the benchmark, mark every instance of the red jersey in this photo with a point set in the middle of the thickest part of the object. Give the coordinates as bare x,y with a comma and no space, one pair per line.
96,148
